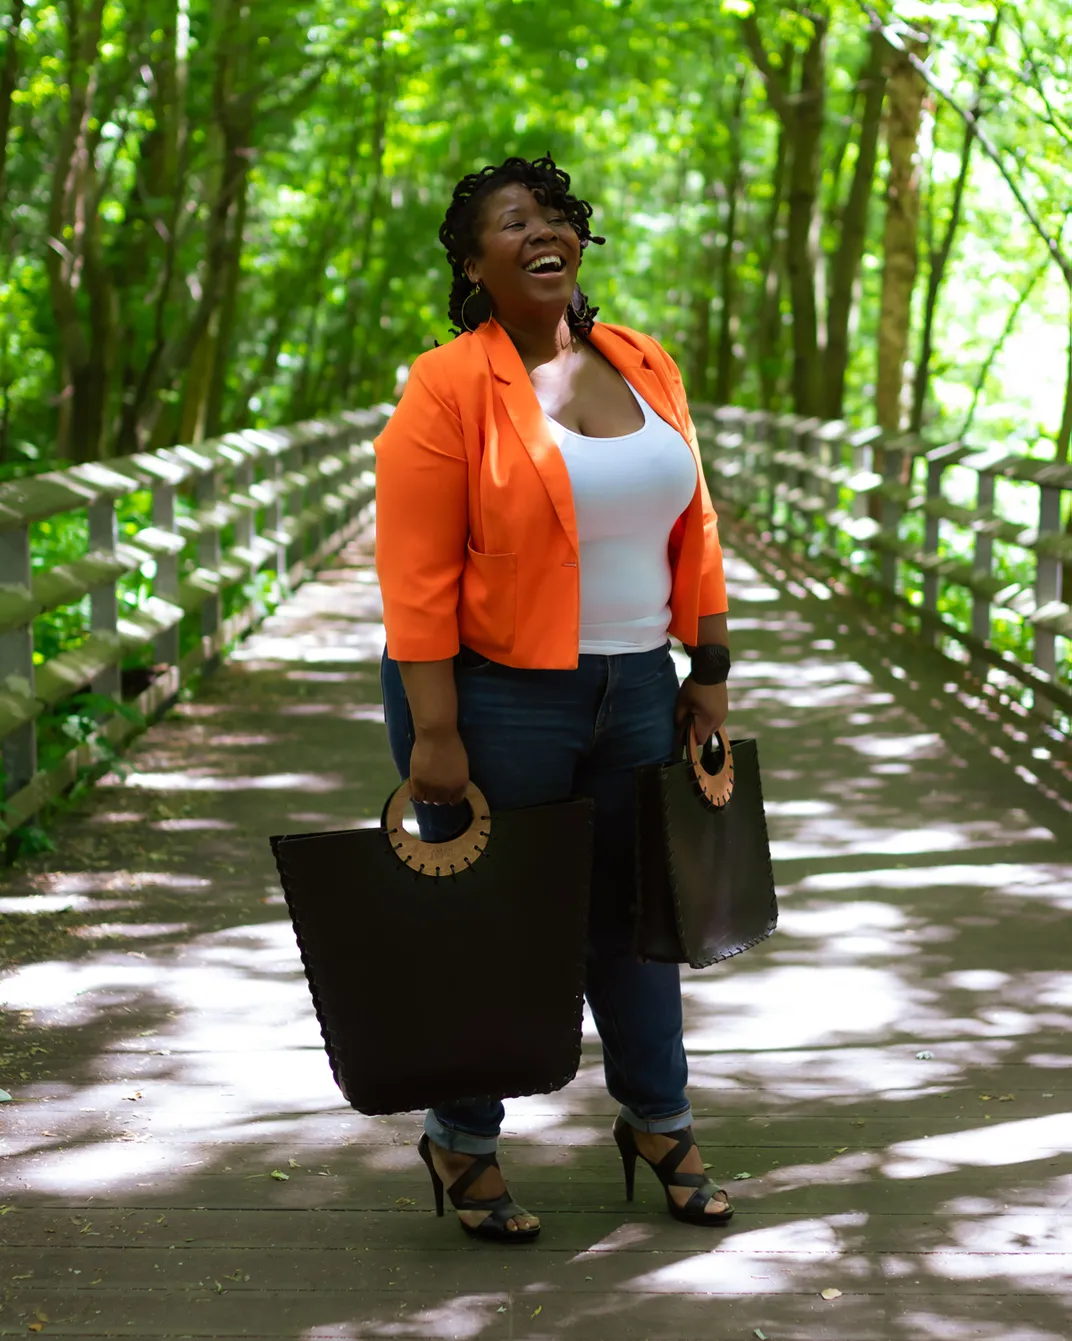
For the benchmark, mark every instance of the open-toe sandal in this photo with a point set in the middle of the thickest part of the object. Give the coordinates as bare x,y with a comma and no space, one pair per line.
500,1210
694,1211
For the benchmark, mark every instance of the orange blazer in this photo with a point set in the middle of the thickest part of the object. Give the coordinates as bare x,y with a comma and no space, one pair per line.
476,535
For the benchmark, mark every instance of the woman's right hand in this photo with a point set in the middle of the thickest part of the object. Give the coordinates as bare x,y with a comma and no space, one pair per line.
439,768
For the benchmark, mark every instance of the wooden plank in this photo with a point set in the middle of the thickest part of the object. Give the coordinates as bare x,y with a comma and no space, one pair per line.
70,671
17,607
40,496
787,1307
413,1229
67,583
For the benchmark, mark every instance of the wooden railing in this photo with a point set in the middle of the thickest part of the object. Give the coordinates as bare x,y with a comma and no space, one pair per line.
815,486
281,499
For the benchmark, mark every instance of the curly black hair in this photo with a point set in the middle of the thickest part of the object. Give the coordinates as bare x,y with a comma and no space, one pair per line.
458,234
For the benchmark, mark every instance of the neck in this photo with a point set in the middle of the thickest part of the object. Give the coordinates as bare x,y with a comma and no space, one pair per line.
538,341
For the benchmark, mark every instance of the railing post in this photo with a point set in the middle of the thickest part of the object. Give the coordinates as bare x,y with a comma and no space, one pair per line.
276,468
1047,577
209,554
982,566
16,662
246,522
314,495
931,535
166,582
104,600
891,510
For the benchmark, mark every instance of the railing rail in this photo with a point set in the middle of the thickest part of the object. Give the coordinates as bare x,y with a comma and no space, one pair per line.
281,499
815,485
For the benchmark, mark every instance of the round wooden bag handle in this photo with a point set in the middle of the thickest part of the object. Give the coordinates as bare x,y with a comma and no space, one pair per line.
438,858
716,787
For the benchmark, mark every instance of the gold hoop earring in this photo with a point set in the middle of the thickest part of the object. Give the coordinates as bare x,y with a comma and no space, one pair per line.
471,294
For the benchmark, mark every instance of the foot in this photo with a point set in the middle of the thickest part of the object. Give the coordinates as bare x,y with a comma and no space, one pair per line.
451,1164
653,1147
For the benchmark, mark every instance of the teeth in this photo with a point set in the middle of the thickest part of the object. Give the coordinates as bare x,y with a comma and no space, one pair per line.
545,263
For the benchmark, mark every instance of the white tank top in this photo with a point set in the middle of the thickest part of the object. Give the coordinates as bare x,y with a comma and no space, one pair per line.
627,492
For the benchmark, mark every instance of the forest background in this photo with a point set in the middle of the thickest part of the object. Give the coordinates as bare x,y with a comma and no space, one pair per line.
216,214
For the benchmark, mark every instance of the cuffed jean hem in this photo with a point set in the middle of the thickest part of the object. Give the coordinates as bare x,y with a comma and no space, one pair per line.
453,1138
656,1126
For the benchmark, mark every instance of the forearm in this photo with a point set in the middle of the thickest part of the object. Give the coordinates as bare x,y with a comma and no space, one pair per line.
713,629
432,695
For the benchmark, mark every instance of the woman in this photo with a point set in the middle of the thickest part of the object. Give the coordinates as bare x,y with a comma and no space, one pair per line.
542,524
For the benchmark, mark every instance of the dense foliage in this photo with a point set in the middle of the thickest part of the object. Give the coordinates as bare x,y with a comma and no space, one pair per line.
216,213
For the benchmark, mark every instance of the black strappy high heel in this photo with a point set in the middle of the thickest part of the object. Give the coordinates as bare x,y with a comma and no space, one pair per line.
666,1170
500,1209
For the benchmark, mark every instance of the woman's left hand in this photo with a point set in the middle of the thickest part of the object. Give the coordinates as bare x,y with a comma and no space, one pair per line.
707,704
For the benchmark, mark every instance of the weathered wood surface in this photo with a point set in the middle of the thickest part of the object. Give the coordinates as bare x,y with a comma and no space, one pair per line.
164,1060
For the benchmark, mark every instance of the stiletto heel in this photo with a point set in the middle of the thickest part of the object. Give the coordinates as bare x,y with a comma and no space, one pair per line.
694,1211
499,1210
629,1154
437,1182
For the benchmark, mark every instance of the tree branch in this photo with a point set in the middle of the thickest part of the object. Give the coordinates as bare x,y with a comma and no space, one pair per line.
776,92
1053,246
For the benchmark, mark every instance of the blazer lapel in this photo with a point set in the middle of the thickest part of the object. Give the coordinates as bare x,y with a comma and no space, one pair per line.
529,420
530,423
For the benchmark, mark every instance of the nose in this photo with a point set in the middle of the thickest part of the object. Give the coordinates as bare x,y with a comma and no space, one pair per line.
543,232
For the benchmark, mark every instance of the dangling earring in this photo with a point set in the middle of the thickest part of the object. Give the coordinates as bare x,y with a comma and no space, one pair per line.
480,321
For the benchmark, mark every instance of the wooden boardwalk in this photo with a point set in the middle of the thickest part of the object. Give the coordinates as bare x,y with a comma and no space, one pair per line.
886,1086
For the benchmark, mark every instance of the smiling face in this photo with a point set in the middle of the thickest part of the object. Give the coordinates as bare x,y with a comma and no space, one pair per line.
529,255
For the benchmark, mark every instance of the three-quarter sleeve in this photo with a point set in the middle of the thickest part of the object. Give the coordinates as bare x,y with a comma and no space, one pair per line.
422,522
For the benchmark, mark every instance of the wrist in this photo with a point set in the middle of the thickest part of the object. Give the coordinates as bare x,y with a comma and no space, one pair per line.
710,663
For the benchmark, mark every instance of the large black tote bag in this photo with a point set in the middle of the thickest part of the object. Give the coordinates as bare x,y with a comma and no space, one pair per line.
392,932
705,884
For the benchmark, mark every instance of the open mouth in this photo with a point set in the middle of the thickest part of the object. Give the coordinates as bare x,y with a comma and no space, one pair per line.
546,265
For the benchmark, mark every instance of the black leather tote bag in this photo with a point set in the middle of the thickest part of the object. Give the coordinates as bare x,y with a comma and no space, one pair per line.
392,932
705,884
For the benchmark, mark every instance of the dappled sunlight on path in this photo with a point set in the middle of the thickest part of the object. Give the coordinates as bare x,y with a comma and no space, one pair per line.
885,1086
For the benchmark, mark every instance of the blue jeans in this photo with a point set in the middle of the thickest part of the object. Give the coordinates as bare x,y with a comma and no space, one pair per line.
538,736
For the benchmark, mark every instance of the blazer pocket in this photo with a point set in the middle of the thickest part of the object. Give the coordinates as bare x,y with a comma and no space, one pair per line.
487,611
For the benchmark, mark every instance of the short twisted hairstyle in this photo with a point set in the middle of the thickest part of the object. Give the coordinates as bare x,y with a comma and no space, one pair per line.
459,232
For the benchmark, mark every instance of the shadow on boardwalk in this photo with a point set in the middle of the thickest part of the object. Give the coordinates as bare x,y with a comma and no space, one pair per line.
166,1065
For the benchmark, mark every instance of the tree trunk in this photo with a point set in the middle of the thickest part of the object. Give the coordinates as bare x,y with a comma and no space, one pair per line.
345,374
939,257
228,311
769,335
725,367
846,263
72,258
804,149
9,78
900,239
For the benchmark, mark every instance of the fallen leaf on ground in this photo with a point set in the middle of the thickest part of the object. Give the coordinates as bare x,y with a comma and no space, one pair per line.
280,1176
830,1293
5,1098
858,1122
924,1056
740,1177
985,1097
293,1164
36,1326
1004,1098
501,1308
762,1335
539,1310
709,1166
841,1149
405,1201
